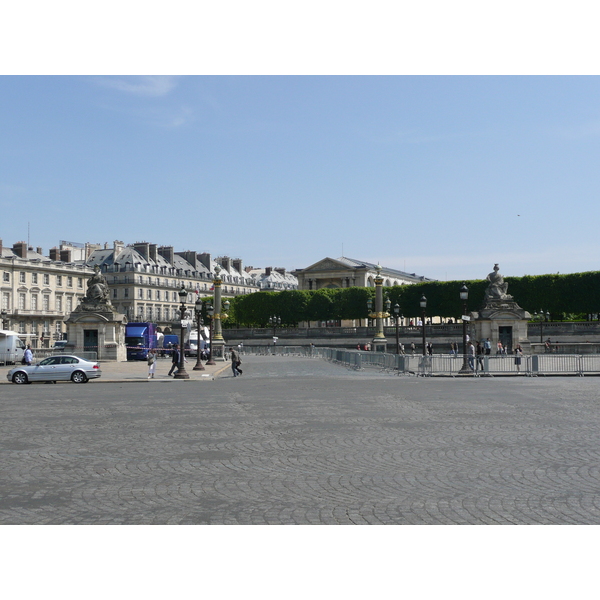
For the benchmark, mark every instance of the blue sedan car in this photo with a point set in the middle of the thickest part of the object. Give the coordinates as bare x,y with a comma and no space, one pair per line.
56,368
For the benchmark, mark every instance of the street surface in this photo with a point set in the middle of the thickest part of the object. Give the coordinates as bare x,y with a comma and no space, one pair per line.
302,441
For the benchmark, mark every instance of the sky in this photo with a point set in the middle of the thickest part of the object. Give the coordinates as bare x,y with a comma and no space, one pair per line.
438,175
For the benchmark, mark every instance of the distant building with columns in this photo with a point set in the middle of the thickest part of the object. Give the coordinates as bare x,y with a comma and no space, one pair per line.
346,272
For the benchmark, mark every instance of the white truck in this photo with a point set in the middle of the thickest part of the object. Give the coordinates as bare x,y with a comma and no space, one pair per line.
11,347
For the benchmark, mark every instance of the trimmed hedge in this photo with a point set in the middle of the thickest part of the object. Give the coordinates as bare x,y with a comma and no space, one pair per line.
562,295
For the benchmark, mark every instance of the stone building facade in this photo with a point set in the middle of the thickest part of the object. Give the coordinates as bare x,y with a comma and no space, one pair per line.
144,279
37,293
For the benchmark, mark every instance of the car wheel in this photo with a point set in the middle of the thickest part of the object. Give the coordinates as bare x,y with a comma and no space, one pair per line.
20,377
78,377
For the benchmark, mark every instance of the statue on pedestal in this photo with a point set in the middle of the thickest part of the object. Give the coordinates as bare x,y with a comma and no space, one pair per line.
497,288
97,296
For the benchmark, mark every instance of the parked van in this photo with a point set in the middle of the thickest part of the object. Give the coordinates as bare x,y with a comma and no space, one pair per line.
11,347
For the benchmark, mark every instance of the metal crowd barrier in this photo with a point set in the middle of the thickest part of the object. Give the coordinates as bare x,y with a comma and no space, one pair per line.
442,364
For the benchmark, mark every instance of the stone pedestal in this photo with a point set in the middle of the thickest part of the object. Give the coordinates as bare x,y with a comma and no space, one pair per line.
107,328
502,320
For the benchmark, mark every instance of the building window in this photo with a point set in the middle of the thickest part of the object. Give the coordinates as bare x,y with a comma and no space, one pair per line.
34,327
141,294
149,294
34,278
21,301
6,277
126,293
149,313
174,296
46,301
34,302
70,304
22,327
69,281
46,279
115,293
80,283
166,314
158,311
46,326
59,280
58,327
21,277
58,303
5,301
158,294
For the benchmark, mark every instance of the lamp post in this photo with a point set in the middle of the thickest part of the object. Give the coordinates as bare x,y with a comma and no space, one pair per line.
181,372
274,321
397,313
423,304
541,317
464,296
210,311
199,322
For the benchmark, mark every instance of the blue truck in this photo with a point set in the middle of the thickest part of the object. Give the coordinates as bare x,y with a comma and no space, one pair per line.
139,339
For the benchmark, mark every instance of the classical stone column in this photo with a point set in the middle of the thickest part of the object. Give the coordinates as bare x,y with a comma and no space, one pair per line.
379,343
218,343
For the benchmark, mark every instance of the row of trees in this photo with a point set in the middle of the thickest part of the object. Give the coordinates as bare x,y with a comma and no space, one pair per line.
572,295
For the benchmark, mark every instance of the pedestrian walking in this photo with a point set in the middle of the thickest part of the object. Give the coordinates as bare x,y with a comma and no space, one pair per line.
175,360
499,348
479,350
152,360
28,356
471,355
236,361
518,356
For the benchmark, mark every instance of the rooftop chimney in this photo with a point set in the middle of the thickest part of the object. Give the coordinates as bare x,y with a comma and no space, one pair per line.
167,253
20,249
142,248
205,259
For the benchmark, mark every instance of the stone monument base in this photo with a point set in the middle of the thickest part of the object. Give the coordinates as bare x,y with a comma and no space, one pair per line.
97,331
505,321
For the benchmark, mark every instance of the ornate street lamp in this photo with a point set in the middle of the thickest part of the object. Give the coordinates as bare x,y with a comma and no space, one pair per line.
397,314
210,311
181,372
199,322
542,318
423,304
274,322
464,296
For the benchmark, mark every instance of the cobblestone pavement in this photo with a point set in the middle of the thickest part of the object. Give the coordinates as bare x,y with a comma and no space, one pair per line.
302,441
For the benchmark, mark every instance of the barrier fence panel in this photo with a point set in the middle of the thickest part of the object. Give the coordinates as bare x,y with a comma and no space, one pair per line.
556,363
437,364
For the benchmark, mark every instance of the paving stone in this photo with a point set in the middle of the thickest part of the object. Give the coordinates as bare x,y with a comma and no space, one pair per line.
302,441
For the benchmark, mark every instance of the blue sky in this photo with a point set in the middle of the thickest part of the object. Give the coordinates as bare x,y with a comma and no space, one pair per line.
438,175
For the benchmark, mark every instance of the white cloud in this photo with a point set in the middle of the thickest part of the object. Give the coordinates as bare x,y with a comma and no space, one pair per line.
147,85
